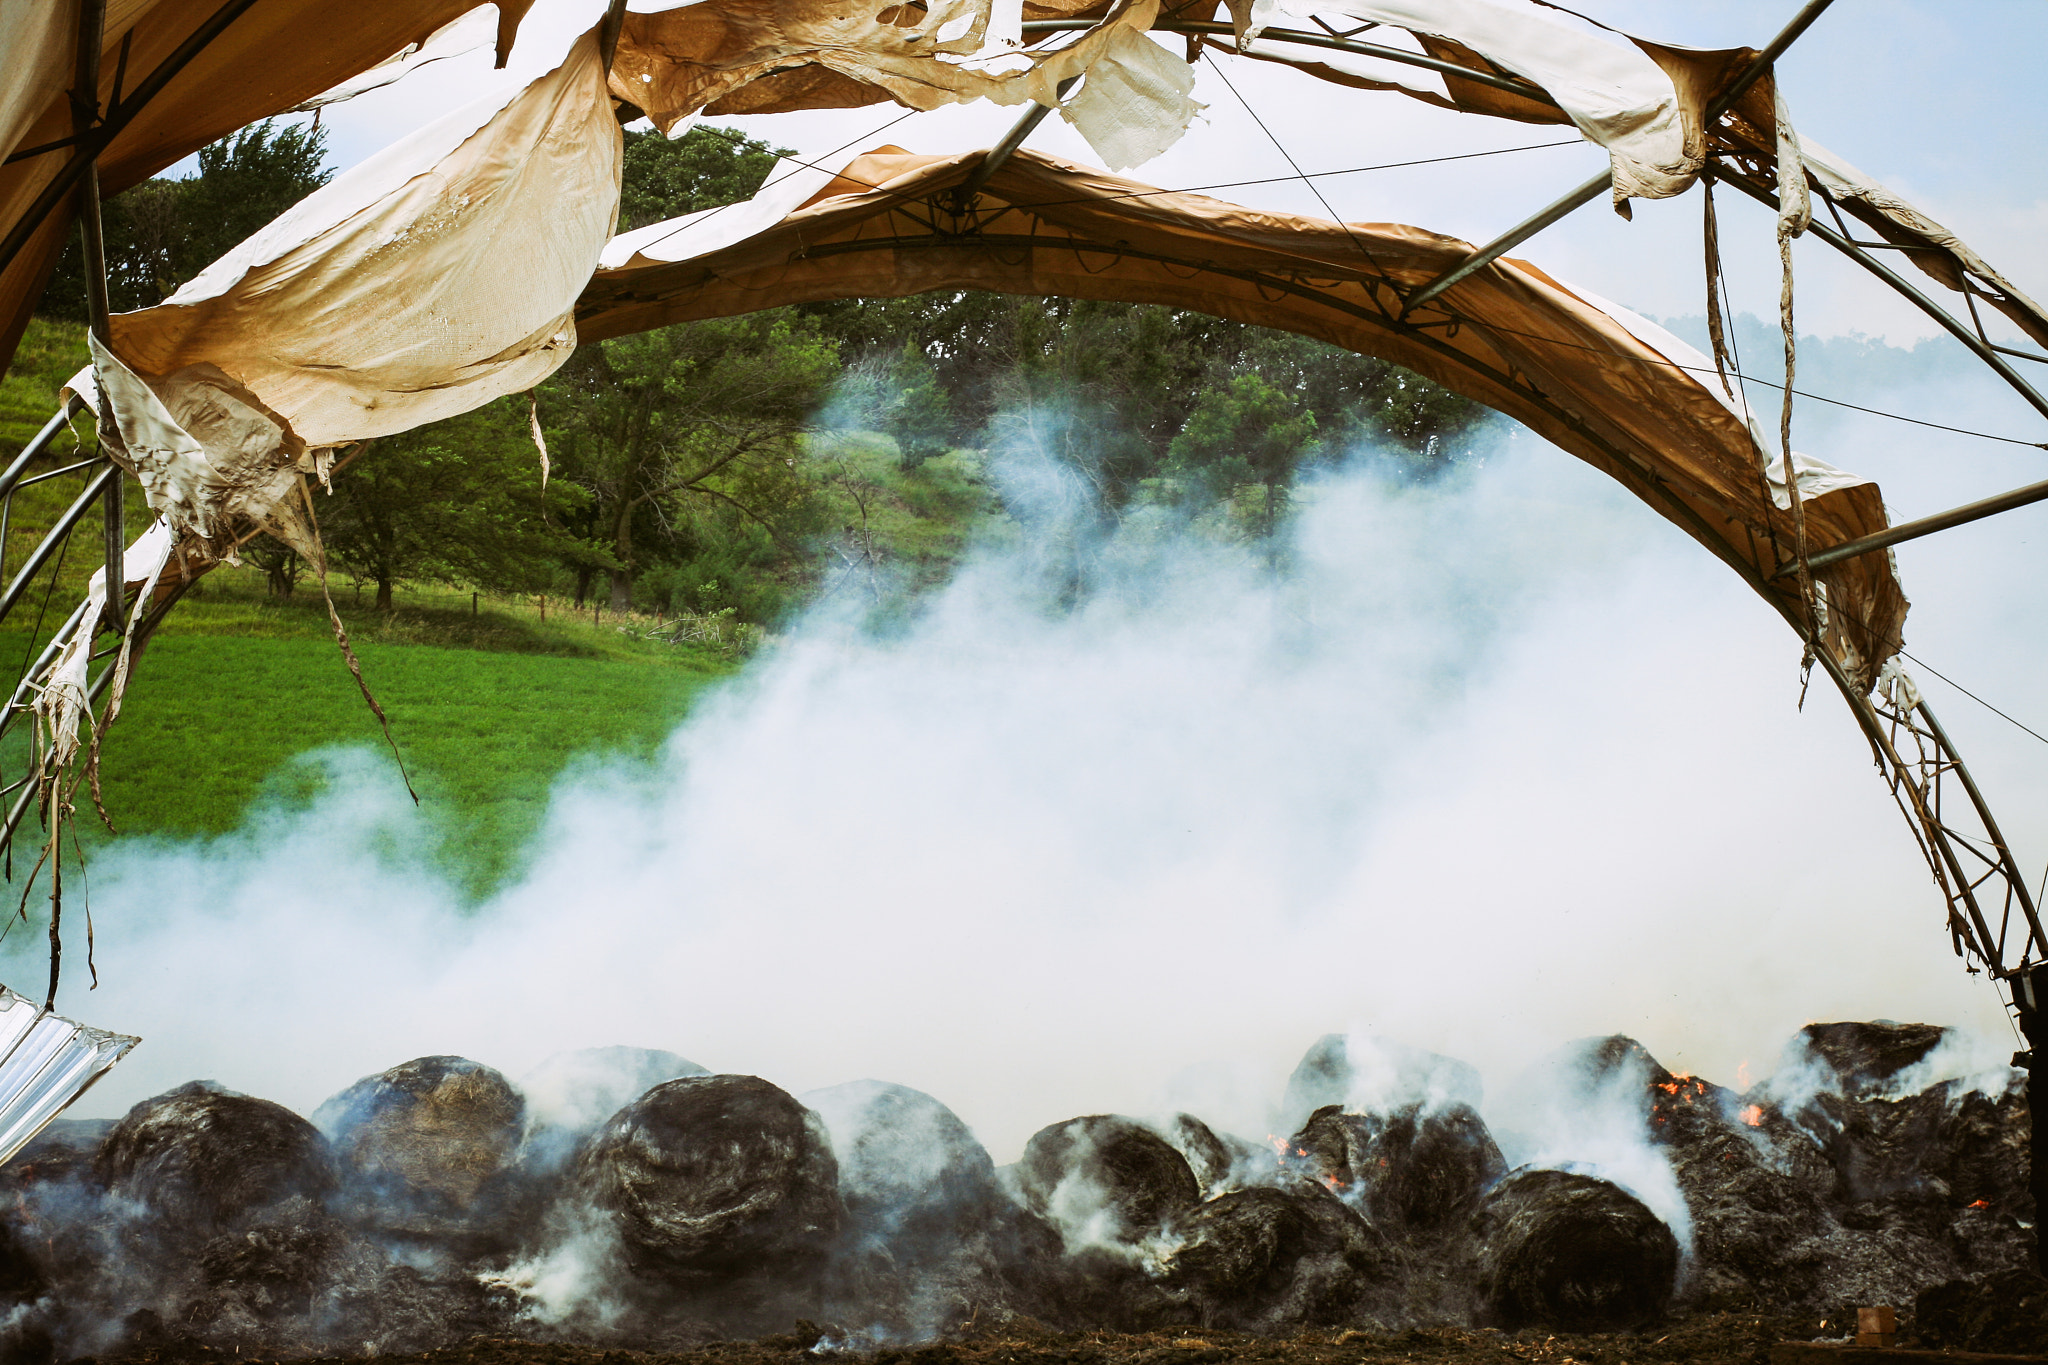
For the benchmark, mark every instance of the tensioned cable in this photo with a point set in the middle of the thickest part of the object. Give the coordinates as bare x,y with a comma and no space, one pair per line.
1751,379
1973,696
1314,188
740,139
1301,175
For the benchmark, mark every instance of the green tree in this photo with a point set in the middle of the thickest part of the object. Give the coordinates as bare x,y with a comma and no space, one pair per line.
704,168
161,233
1248,432
659,428
459,501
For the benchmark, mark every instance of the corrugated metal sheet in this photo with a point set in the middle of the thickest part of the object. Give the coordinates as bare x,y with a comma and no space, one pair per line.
46,1061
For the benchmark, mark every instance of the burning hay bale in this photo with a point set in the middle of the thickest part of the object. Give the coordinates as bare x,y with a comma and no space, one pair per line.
713,1177
1105,1178
1269,1260
1414,1170
1564,1250
1221,1162
201,1159
428,1146
912,1175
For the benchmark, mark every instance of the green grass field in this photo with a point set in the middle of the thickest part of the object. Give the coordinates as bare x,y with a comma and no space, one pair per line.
488,710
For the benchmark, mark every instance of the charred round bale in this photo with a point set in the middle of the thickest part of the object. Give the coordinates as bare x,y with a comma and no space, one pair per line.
1268,1260
1866,1057
1566,1250
1221,1162
203,1158
427,1136
715,1176
1105,1174
910,1172
1414,1169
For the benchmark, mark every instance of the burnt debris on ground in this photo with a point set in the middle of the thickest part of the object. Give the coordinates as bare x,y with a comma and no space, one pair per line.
624,1200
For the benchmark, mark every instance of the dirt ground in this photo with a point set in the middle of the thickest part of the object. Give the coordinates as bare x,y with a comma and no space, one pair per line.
1716,1339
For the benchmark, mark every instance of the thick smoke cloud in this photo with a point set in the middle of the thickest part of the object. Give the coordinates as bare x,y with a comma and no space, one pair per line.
1481,766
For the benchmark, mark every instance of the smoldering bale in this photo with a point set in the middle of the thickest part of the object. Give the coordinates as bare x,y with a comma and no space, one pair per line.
571,1093
715,1176
427,1147
1566,1250
1375,1073
912,1175
1412,1171
1271,1261
201,1158
1105,1177
1221,1162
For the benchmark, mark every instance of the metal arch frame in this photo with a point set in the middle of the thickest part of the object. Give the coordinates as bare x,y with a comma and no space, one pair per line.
1968,856
1965,849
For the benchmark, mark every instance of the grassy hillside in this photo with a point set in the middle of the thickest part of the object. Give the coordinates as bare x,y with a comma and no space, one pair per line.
488,707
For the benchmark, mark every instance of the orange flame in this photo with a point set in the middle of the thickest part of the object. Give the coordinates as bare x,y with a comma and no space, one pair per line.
1754,1115
1981,1204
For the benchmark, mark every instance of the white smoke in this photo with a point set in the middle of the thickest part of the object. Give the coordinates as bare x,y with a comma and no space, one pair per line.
1486,766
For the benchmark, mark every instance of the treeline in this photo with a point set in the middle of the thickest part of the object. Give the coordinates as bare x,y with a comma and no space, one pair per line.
737,465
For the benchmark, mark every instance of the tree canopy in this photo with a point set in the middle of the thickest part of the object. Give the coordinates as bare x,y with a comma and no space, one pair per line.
741,464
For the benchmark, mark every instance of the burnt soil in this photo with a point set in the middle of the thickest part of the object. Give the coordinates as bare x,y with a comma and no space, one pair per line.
1705,1339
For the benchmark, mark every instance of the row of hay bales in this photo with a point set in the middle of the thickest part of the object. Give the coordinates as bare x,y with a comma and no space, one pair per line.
628,1196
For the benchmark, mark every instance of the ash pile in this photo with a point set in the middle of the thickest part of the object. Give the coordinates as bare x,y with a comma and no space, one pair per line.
626,1197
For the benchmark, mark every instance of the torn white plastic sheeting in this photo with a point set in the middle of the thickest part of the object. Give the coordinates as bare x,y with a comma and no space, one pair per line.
46,1062
1134,101
1612,91
61,698
438,275
476,29
1848,185
207,454
788,186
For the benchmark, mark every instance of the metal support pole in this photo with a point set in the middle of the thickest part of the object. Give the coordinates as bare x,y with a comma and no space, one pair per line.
1509,240
2030,1003
1586,193
49,543
2037,945
1949,322
85,114
1922,526
39,443
1002,151
117,119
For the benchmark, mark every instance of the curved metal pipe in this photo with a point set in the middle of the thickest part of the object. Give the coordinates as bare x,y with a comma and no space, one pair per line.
1327,41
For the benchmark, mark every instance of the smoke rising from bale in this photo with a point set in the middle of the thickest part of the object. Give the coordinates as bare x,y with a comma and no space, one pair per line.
1053,830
